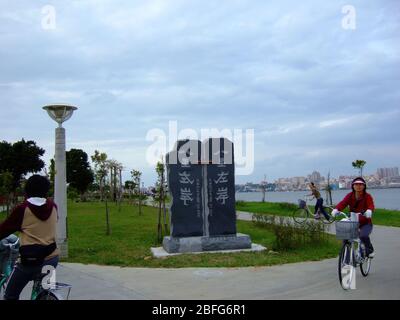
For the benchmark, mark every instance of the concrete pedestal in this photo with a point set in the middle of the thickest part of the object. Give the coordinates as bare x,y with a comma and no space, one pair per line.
204,244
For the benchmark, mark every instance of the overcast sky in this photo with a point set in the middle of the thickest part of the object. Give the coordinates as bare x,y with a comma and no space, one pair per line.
317,95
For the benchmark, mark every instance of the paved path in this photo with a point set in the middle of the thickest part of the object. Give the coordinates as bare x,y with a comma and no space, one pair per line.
308,280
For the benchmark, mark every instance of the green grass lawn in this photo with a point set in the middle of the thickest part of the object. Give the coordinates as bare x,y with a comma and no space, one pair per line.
381,217
132,236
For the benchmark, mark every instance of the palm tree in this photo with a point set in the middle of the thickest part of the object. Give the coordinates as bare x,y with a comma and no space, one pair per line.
359,164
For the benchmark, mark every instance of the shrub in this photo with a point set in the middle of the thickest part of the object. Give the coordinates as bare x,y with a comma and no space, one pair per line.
287,206
240,203
72,193
289,235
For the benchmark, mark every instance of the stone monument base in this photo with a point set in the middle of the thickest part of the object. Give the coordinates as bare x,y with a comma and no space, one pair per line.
204,244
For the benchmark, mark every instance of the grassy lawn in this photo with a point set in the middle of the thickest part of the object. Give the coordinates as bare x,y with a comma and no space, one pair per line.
381,217
132,236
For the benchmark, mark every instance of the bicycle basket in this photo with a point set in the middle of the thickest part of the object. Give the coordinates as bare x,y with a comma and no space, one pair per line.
347,230
302,204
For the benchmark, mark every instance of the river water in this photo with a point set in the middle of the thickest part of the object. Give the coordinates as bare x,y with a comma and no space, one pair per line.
383,198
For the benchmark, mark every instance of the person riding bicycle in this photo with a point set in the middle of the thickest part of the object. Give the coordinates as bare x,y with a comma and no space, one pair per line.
319,206
359,201
36,220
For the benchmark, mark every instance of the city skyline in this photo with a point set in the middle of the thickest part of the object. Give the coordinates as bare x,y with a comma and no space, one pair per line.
313,177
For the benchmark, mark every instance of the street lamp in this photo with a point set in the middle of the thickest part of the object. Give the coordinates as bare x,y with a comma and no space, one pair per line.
60,114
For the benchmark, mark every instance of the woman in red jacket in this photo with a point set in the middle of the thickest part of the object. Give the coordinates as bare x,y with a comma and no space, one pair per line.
360,201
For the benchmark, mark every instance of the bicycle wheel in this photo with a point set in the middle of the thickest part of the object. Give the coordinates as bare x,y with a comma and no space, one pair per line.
47,295
346,258
365,267
300,215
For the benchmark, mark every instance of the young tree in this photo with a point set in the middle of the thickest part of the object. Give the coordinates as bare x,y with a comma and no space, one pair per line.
160,196
329,190
101,170
359,164
264,188
79,173
130,186
136,176
101,173
115,169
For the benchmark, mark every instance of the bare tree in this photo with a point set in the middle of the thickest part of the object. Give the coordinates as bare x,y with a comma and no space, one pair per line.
101,173
115,180
101,170
264,188
329,190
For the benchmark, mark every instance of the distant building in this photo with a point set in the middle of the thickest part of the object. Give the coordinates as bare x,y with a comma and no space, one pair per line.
388,172
315,177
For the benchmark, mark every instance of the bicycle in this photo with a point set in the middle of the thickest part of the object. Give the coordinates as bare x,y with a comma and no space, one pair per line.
303,212
38,291
353,251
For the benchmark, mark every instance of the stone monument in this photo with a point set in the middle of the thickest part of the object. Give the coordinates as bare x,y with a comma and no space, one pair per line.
201,183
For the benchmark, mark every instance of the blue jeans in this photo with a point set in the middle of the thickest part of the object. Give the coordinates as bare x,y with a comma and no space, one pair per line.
320,205
365,231
21,275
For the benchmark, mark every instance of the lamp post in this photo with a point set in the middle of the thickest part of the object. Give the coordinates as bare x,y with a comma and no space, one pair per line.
60,114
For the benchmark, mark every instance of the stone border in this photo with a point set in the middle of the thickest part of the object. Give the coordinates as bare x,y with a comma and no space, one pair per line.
161,253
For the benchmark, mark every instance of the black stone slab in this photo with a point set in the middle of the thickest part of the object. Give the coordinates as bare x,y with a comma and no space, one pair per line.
220,194
185,184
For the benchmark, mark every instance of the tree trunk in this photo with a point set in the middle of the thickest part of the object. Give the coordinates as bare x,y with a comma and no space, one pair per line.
140,200
115,185
163,203
101,191
108,232
120,191
159,234
165,218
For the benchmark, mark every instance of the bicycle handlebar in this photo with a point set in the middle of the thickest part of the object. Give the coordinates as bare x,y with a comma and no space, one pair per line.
348,215
11,244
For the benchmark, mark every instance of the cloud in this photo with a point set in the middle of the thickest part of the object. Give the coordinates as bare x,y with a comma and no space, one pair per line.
288,70
335,122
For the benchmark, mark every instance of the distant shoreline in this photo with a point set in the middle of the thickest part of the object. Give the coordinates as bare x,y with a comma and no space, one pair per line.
370,188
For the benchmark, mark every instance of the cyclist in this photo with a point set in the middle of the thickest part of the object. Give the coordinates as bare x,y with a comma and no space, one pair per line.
360,201
320,202
36,220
